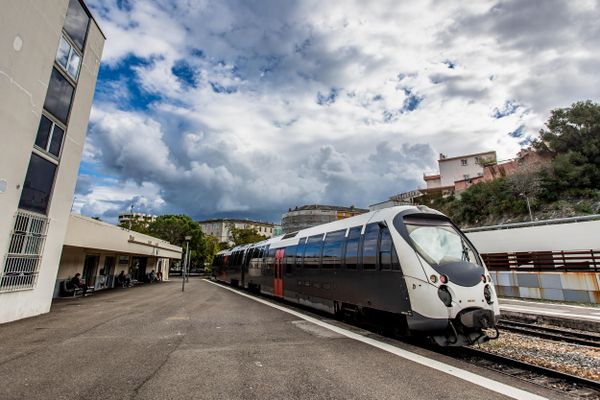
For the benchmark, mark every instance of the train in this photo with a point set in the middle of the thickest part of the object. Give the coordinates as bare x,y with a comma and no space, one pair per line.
410,266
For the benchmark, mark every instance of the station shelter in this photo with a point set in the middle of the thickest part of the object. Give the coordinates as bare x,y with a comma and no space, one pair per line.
100,251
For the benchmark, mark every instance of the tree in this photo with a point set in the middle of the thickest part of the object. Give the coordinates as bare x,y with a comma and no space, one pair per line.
174,229
572,137
241,236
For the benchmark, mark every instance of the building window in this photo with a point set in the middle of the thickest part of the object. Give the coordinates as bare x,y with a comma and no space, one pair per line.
49,137
68,58
477,160
38,185
59,96
76,23
466,176
463,162
21,266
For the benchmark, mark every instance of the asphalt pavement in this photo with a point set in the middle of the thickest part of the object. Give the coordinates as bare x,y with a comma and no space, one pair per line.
155,342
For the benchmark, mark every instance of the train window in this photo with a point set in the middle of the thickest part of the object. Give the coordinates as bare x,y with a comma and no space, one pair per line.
332,249
439,242
290,259
300,252
385,250
369,248
312,251
271,260
352,246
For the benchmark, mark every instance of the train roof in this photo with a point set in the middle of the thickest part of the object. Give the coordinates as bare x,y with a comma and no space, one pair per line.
292,238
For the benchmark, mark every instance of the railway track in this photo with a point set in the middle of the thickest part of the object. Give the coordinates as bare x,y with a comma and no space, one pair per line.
546,377
551,333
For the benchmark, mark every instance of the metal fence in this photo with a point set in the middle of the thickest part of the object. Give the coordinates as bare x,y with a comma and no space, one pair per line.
575,261
22,261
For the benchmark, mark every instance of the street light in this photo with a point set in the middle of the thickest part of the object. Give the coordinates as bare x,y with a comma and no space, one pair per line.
185,261
528,206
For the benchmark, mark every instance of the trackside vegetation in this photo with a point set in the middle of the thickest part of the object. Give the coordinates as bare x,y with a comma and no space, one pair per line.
567,184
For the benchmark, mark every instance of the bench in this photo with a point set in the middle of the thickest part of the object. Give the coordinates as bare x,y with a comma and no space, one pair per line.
66,291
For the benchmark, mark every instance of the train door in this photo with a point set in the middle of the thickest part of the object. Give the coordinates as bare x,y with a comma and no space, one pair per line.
278,274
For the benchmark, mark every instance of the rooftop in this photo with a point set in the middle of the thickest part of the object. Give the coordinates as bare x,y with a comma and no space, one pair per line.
327,207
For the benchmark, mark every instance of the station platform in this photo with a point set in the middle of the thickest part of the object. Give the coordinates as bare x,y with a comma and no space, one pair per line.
554,313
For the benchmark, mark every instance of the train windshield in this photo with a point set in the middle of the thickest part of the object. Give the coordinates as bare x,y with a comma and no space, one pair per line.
440,243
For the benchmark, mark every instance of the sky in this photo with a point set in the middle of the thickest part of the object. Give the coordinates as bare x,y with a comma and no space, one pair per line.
245,109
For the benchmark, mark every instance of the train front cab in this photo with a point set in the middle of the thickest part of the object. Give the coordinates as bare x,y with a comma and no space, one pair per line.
450,289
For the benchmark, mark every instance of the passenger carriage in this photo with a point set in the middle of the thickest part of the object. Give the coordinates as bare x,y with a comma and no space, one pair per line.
409,265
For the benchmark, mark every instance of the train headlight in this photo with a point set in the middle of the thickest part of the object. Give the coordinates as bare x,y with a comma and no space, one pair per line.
487,293
445,295
444,279
433,278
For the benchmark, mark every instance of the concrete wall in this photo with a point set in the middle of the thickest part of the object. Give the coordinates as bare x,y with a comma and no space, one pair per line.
581,287
570,236
29,36
574,286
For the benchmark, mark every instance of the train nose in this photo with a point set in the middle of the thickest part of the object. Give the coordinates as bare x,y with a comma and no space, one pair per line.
478,319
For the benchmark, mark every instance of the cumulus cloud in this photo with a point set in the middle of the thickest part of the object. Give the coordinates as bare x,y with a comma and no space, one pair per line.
247,108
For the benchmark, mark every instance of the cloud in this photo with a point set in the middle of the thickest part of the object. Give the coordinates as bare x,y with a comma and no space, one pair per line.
245,109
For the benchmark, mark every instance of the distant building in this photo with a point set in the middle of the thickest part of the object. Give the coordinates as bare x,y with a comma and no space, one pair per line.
316,214
481,167
402,199
458,172
220,228
49,61
146,219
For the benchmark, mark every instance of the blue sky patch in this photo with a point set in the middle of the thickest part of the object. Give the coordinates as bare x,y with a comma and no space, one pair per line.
518,133
197,53
184,73
217,88
510,107
411,102
450,64
329,98
122,77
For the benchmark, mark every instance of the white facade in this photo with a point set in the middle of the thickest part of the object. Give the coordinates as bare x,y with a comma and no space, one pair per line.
453,169
125,218
462,167
220,228
30,34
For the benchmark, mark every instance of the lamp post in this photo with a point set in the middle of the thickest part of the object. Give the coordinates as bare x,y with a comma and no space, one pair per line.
185,261
528,206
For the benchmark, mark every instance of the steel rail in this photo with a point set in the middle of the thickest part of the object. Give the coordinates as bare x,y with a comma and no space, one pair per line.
583,382
555,334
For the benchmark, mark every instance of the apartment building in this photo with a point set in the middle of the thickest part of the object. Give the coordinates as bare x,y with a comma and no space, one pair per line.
457,169
316,214
49,60
221,228
133,217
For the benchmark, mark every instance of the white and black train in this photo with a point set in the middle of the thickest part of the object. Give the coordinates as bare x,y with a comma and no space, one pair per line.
409,265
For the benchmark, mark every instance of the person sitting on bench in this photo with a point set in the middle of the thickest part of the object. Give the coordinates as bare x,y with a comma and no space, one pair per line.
77,282
123,280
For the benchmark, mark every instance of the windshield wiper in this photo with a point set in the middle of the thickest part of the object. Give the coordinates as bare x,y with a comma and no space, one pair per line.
465,252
